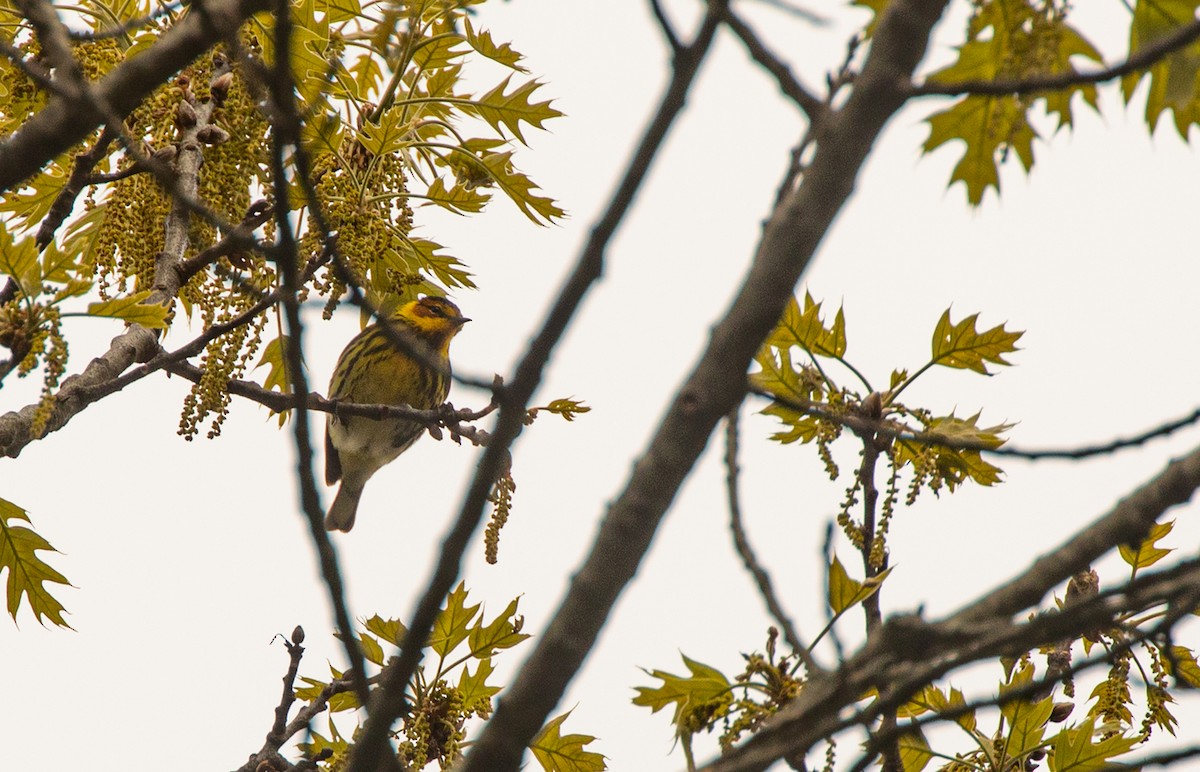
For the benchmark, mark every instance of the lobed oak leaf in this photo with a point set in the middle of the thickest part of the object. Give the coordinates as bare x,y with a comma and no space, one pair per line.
845,592
27,573
1076,749
506,111
557,752
454,623
961,346
132,310
1148,552
481,41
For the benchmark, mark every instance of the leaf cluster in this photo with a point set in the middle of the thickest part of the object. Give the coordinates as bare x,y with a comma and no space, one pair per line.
453,688
936,451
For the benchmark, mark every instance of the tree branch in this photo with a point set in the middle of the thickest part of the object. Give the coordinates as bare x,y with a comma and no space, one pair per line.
717,384
1145,58
742,543
813,107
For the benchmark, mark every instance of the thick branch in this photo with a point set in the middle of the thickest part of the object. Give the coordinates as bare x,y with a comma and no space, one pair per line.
1144,59
64,122
717,384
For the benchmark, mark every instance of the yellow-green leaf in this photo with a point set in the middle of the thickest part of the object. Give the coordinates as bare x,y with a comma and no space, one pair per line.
474,689
845,592
503,632
27,573
520,189
274,359
1148,552
962,346
915,754
481,41
705,686
454,623
458,198
371,649
1182,664
1075,749
507,111
390,630
557,752
1173,78
132,310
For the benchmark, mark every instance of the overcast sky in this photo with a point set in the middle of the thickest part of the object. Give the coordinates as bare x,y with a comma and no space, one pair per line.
187,558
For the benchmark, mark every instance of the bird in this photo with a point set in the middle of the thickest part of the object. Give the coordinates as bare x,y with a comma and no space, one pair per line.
375,369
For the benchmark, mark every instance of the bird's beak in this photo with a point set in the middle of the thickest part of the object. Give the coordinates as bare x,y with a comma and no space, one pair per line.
460,321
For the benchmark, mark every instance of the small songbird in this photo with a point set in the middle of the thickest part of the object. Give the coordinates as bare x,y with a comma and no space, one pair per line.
372,370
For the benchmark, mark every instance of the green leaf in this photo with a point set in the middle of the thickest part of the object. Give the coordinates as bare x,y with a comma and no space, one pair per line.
1026,719
565,753
503,632
1148,552
341,10
1173,78
807,330
1182,664
19,259
390,630
371,649
915,754
312,691
132,310
520,189
460,199
1075,749
933,699
474,690
27,574
507,111
481,41
1006,41
705,686
845,592
961,346
274,358
454,623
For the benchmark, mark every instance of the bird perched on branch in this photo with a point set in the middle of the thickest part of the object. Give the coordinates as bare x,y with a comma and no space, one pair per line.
406,365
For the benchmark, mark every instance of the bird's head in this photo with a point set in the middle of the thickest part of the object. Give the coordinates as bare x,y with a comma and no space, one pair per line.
433,318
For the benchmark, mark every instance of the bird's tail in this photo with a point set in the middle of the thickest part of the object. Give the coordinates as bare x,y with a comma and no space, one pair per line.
344,507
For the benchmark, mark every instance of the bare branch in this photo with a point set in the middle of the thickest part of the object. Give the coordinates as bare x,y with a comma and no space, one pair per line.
742,543
788,84
665,25
714,387
1144,59
286,134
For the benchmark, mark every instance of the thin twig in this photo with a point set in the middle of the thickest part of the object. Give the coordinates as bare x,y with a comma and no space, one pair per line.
788,84
664,23
899,432
1145,58
742,543
286,134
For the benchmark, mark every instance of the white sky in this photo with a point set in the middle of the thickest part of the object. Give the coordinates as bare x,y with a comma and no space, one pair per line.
183,583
